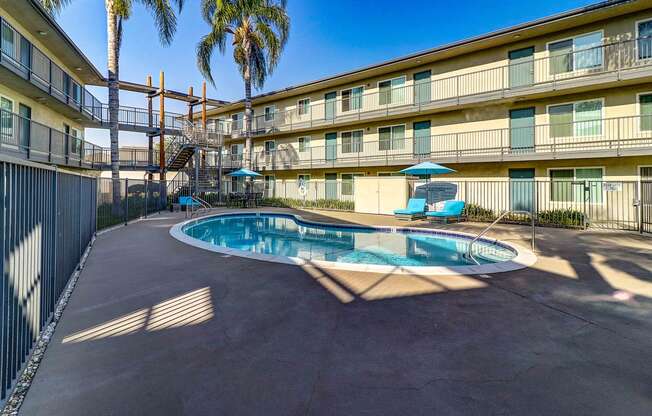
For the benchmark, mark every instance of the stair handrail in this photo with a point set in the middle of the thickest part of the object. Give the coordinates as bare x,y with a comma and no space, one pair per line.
469,254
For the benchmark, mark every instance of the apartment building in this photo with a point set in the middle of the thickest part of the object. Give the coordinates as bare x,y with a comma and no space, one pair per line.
564,97
43,101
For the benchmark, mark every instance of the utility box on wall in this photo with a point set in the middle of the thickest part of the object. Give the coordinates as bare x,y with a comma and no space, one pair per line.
380,194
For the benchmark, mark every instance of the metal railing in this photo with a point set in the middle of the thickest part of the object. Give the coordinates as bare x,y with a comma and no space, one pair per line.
495,81
136,198
571,203
608,136
27,61
27,139
469,251
49,219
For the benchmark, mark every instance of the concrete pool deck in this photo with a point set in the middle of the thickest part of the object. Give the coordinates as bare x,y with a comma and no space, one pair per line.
158,327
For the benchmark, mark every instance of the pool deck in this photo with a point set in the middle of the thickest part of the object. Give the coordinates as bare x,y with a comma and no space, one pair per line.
156,327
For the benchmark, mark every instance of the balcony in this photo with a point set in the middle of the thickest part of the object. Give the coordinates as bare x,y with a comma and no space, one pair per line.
625,136
26,139
46,82
604,66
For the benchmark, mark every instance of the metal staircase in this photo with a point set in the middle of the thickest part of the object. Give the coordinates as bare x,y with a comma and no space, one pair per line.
192,138
193,179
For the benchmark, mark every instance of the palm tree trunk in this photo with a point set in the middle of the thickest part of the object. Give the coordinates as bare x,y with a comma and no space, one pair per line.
248,121
114,101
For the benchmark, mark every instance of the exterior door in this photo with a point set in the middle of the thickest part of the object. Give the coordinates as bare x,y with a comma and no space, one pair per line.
331,102
331,186
521,189
25,127
270,182
422,87
521,129
422,139
66,140
331,146
7,120
521,67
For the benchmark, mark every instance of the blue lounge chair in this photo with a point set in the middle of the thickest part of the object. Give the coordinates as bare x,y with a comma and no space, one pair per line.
451,208
416,208
188,201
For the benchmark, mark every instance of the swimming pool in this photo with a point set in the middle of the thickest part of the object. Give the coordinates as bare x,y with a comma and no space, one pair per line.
291,239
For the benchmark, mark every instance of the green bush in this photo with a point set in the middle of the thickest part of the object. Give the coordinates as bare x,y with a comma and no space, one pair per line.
561,218
317,204
475,212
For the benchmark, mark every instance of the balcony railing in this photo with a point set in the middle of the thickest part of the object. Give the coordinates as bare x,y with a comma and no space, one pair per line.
534,76
608,137
30,140
26,60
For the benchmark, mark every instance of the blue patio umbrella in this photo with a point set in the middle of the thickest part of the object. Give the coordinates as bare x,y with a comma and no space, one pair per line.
427,168
244,173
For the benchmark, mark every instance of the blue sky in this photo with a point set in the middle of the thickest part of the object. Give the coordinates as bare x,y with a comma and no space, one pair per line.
326,37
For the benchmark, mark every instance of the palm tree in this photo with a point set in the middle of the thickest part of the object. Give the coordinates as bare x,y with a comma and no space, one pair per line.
259,29
116,12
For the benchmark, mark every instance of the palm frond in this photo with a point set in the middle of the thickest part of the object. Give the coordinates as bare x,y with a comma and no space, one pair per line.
259,30
205,48
54,6
164,16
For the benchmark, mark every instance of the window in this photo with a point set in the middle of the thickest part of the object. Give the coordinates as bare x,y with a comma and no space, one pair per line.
269,184
237,184
580,52
236,151
270,113
645,109
75,142
9,41
348,181
270,146
352,141
644,41
352,99
237,120
391,138
392,91
568,185
75,92
303,179
583,118
7,119
304,144
304,106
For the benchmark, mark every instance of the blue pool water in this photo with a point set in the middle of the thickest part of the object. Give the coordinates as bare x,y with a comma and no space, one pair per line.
284,235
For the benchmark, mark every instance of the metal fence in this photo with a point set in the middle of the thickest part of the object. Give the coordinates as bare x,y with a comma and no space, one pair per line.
48,218
137,198
576,204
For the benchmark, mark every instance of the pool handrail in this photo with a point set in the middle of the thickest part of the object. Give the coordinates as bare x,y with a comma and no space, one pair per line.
469,254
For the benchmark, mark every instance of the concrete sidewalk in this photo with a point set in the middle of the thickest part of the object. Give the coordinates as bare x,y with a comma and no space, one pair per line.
156,327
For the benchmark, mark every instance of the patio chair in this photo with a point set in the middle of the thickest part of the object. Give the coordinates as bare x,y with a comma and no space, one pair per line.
451,209
416,208
188,201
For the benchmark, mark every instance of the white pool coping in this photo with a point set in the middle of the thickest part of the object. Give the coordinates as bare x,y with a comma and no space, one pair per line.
524,257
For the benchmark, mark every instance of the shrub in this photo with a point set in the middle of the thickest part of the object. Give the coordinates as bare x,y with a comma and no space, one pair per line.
300,203
478,213
561,218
